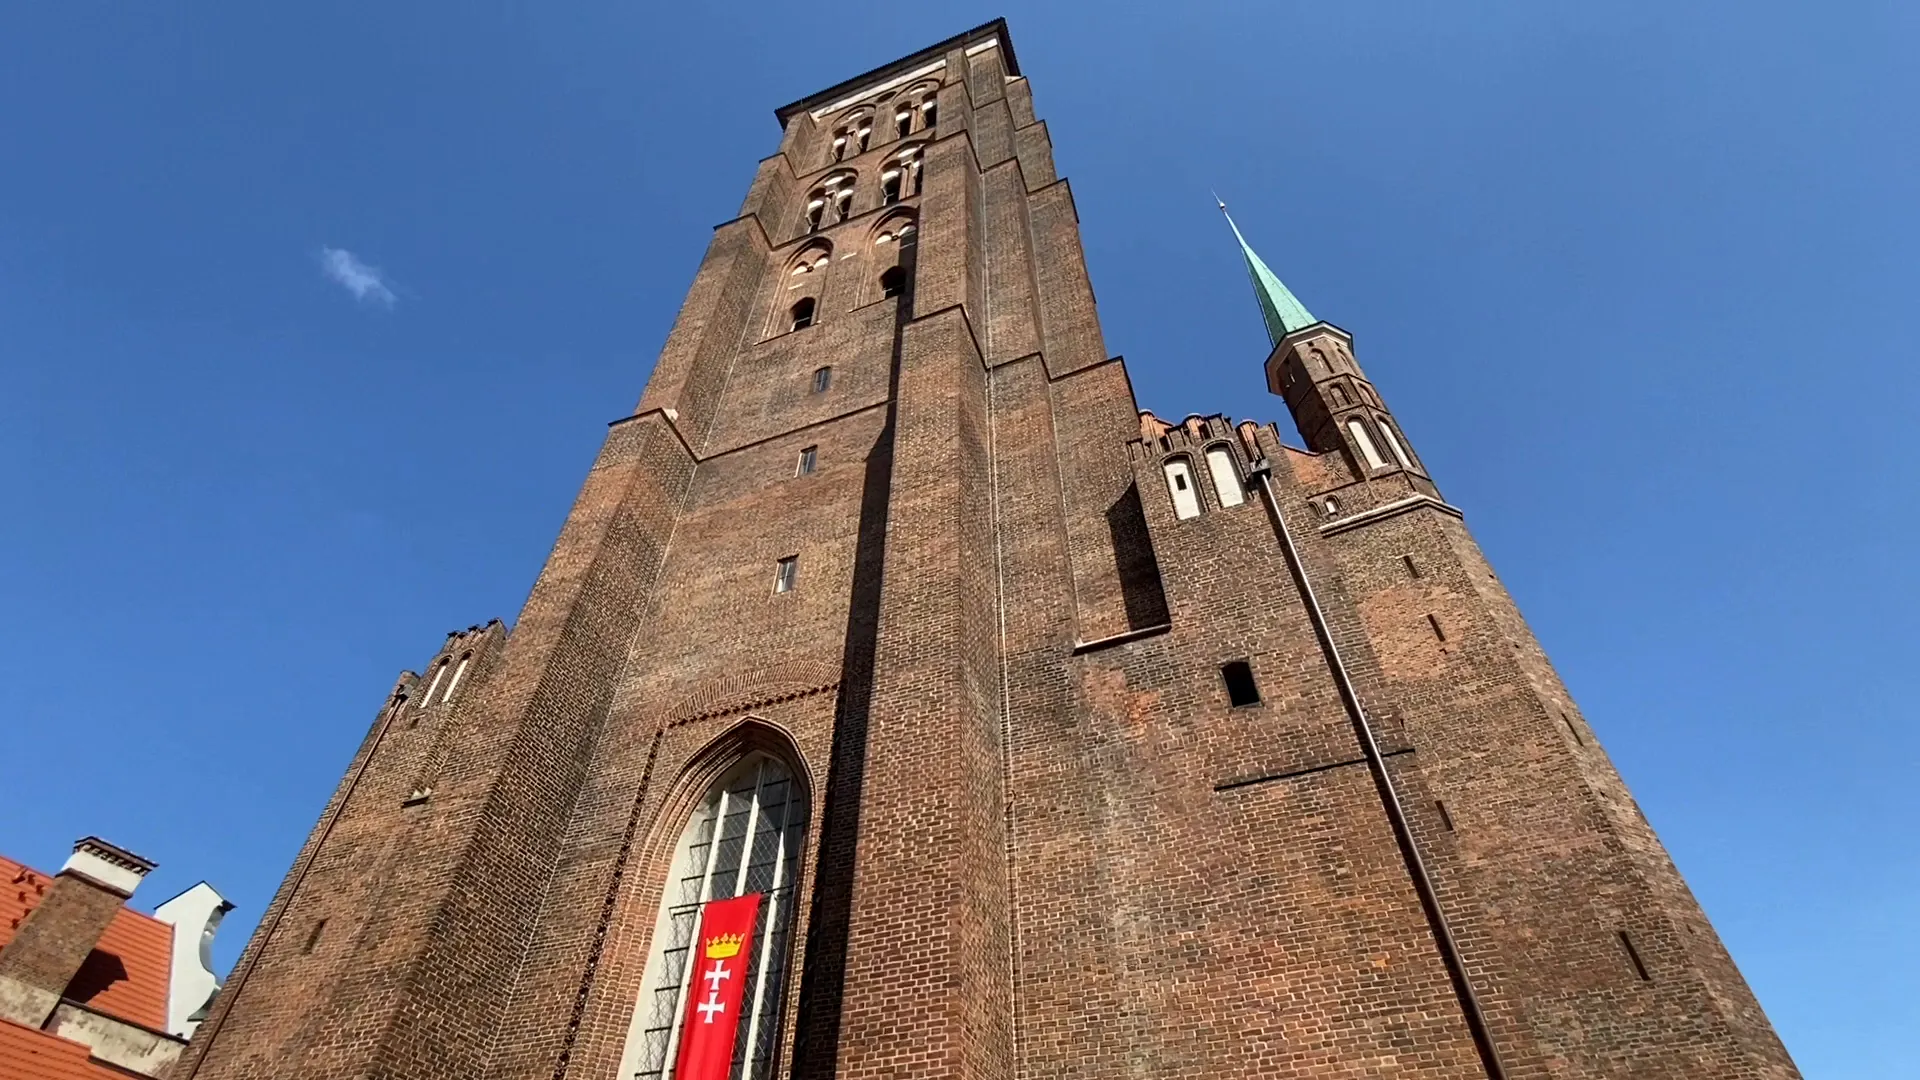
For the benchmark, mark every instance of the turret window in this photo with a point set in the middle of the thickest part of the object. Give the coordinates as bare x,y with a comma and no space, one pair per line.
1339,395
1365,443
1226,478
1393,444
1186,498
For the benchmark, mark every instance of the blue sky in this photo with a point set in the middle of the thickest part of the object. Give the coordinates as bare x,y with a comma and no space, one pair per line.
313,315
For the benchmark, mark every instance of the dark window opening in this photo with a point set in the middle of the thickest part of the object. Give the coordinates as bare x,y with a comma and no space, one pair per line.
786,574
1413,568
1180,481
866,135
1633,954
893,282
840,145
902,123
1241,689
929,111
1437,632
843,203
1339,395
803,313
1446,819
890,189
313,937
822,378
808,458
814,209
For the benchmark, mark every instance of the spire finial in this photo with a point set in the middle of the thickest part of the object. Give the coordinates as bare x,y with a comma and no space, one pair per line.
1279,308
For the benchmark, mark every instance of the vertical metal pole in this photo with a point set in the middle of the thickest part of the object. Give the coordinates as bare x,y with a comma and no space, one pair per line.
766,932
1262,474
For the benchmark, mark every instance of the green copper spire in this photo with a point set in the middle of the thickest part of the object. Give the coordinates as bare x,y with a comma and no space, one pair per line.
1283,312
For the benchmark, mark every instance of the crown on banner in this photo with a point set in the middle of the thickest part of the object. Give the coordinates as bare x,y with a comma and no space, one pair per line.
722,946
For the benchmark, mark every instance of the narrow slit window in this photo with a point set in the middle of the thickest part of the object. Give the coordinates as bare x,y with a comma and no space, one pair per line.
1186,500
1633,956
1393,444
1413,568
1241,689
439,672
1365,442
1434,622
1226,478
809,457
822,378
1446,819
313,937
893,282
786,574
458,674
802,313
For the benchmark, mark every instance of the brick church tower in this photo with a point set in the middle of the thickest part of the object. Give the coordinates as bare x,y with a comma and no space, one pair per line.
1042,737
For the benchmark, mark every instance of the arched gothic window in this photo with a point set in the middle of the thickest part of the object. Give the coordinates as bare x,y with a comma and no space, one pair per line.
1186,497
458,674
744,837
893,282
439,672
1393,444
1365,442
909,165
802,313
1226,478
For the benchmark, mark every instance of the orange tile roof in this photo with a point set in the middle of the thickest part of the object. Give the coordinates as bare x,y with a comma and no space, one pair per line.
128,973
26,1054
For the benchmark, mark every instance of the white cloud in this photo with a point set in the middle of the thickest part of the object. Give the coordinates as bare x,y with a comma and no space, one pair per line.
366,283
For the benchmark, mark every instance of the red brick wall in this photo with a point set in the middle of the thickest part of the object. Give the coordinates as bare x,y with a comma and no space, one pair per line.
1042,841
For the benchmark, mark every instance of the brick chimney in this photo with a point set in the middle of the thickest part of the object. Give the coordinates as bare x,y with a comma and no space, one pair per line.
57,935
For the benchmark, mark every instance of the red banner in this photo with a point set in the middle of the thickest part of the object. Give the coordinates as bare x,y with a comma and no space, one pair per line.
719,957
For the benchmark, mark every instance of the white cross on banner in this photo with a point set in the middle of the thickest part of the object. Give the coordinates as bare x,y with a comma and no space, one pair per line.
723,946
